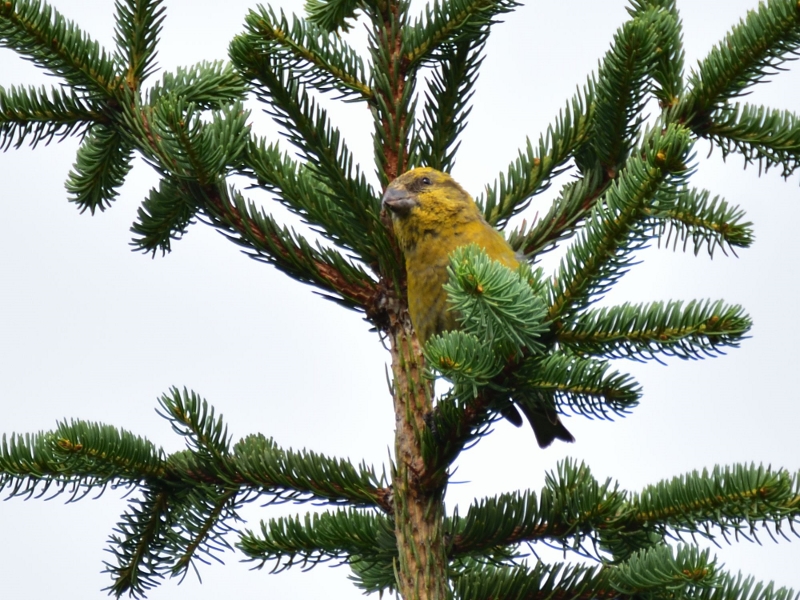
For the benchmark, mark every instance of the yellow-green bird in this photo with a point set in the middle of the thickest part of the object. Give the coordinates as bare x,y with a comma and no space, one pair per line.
432,216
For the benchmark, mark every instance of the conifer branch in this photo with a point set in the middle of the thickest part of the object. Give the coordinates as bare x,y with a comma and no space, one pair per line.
34,115
685,568
258,469
295,186
737,501
447,21
446,107
165,531
136,545
194,419
206,528
565,215
182,145
459,419
103,162
750,53
571,506
688,572
332,15
713,223
287,475
188,498
464,359
328,157
179,143
768,137
532,170
394,81
263,239
620,94
186,148
739,587
77,457
340,536
501,312
319,60
499,306
206,85
648,331
80,457
373,576
485,582
618,226
667,71
138,26
35,30
163,216
584,385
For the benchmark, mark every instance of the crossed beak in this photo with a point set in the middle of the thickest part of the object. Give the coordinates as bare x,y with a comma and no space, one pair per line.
398,200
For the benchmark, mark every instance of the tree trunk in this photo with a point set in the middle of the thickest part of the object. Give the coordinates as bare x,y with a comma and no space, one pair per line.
418,510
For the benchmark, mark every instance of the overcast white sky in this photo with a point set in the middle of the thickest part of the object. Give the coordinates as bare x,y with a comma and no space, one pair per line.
91,330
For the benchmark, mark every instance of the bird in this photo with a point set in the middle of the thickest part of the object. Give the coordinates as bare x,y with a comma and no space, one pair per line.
432,215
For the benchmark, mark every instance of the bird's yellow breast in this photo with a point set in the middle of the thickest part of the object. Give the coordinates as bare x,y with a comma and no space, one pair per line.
426,266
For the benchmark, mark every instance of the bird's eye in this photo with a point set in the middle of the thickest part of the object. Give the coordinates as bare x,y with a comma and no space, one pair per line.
426,181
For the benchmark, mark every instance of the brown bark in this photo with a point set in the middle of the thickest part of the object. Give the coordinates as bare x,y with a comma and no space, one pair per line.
418,509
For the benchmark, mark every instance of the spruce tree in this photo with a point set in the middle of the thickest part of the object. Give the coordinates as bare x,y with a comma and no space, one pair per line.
624,184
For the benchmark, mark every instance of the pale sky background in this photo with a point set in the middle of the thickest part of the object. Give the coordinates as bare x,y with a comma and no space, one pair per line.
91,330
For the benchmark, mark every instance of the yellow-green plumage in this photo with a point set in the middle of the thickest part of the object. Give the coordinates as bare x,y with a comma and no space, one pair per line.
433,216
444,218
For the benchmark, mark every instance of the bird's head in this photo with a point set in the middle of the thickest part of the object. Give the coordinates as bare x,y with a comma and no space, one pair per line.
425,202
426,194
